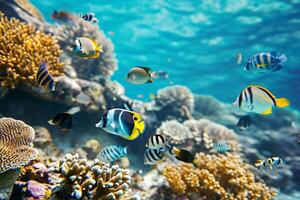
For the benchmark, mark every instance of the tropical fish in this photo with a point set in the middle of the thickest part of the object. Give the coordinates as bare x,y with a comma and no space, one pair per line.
266,62
63,17
112,153
238,58
64,120
221,147
124,123
259,100
161,74
268,163
44,78
160,143
87,48
244,122
90,17
154,156
140,75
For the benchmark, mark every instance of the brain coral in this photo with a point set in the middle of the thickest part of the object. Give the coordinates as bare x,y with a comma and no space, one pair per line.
22,48
216,177
16,139
92,179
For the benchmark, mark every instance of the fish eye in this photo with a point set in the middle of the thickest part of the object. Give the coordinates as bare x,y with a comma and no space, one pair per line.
135,118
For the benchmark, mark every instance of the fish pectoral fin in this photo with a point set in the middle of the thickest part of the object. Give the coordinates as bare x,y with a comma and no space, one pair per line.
150,80
282,102
267,112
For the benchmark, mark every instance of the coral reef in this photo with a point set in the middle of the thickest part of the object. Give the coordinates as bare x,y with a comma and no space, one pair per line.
15,144
216,176
91,179
7,180
22,49
92,147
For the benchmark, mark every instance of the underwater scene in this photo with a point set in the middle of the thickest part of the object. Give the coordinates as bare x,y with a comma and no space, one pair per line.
149,100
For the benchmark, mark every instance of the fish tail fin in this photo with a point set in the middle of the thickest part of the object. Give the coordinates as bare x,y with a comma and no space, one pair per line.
282,102
74,110
99,48
183,155
282,58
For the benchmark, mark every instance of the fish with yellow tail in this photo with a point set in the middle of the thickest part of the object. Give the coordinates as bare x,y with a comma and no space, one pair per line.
258,99
268,163
87,48
159,148
124,123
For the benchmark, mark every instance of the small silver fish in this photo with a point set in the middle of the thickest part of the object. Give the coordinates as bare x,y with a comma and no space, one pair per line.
238,58
221,147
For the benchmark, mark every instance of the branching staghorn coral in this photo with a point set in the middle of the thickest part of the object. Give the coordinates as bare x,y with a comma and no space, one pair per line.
216,177
105,65
198,135
92,179
22,48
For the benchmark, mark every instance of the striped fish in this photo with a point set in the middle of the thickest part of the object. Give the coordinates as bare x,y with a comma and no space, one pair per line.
266,62
268,163
44,78
221,147
157,141
259,100
90,17
153,156
112,153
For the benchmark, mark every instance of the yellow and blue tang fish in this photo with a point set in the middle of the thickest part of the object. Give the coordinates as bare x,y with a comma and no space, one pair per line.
44,78
268,163
124,123
266,62
112,153
259,100
87,48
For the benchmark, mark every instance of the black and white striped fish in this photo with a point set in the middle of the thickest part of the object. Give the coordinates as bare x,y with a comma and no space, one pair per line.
112,153
154,156
44,78
157,141
90,17
259,100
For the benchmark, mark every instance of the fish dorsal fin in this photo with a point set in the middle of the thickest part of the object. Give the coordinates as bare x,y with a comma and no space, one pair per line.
147,69
267,112
264,90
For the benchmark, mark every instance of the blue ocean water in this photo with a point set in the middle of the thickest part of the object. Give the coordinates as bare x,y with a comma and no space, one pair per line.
196,41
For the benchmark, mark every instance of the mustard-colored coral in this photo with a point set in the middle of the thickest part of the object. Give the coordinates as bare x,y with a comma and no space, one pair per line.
22,48
216,177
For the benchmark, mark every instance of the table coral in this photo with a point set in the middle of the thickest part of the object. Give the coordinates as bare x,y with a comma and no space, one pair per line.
22,48
92,179
216,176
16,139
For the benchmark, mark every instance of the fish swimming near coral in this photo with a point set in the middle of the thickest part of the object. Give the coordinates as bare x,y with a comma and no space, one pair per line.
244,122
124,123
63,17
259,100
64,120
238,58
266,62
268,163
112,153
44,78
140,75
87,48
89,17
159,142
221,147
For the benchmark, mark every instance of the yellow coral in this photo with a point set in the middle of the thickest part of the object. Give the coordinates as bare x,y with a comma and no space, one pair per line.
22,48
216,176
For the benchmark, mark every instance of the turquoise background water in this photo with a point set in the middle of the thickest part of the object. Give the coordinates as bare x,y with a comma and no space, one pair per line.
196,41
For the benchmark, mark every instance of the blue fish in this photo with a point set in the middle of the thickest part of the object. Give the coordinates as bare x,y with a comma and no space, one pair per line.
44,78
266,62
112,153
221,147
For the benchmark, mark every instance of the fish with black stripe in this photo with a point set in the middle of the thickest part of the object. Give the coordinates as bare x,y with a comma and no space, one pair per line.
44,78
159,147
64,120
258,99
112,153
266,62
268,163
124,123
89,17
